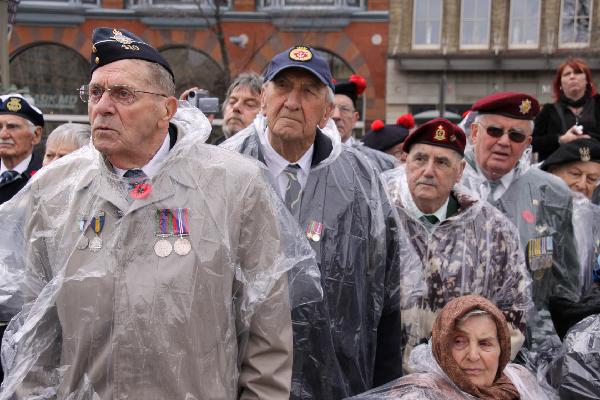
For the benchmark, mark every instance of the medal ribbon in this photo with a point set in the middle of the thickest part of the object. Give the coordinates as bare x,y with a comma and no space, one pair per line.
180,221
97,223
163,217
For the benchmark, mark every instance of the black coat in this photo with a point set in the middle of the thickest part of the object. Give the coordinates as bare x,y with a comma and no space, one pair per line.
7,191
548,125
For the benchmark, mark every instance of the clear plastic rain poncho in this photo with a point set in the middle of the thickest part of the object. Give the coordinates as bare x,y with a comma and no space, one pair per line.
350,341
430,382
576,373
586,223
173,290
540,205
475,251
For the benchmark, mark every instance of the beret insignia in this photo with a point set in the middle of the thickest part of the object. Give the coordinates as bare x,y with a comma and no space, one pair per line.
119,37
300,53
584,154
14,104
525,106
440,134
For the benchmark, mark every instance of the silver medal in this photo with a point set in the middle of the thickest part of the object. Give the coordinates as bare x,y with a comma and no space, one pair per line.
163,248
83,242
182,246
96,244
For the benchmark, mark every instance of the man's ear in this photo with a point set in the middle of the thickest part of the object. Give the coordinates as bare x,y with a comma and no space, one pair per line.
461,169
37,135
474,132
170,108
326,115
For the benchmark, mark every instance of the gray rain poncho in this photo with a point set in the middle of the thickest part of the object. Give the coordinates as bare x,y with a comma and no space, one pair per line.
474,251
540,205
118,321
350,341
430,382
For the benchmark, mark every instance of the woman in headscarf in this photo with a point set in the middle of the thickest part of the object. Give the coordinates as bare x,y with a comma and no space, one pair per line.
467,358
574,115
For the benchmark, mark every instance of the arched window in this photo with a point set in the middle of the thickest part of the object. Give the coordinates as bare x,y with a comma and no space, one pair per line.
194,68
340,69
52,73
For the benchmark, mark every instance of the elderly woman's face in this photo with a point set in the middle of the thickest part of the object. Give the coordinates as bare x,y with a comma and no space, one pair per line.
476,349
57,149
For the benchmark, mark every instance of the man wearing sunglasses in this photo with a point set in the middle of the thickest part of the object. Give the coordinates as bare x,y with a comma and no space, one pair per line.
154,263
538,203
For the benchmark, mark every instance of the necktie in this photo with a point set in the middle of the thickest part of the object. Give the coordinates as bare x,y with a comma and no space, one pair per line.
431,219
293,189
134,177
8,177
493,186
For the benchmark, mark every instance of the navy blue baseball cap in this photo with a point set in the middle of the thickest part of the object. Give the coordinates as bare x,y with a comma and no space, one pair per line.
15,104
110,45
301,57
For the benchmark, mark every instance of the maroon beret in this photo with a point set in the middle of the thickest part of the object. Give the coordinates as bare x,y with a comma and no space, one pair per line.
438,132
509,104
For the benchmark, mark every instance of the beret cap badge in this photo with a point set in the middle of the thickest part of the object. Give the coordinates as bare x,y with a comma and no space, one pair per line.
14,104
525,106
300,53
584,154
119,37
440,134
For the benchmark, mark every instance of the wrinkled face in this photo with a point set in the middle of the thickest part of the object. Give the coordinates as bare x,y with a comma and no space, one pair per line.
573,83
580,176
498,156
295,103
240,110
16,138
476,349
431,172
126,131
397,152
344,115
56,149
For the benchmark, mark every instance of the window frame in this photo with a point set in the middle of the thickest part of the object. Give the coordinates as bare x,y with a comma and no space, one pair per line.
572,45
174,4
337,5
434,46
486,46
512,45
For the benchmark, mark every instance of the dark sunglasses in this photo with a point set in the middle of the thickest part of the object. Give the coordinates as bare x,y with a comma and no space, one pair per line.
514,136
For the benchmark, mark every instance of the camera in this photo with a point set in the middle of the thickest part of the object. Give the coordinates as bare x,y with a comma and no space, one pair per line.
200,99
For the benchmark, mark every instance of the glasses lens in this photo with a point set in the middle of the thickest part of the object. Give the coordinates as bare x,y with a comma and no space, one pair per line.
83,93
495,132
516,137
122,94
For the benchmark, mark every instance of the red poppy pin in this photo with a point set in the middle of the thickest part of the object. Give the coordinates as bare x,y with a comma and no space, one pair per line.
32,173
528,216
141,191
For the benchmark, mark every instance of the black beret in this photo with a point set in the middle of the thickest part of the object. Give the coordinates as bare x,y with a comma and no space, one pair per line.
384,136
15,104
509,104
353,87
438,132
577,150
110,45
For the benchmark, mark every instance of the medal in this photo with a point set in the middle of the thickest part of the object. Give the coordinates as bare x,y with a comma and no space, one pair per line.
314,231
163,247
83,241
538,275
180,227
98,224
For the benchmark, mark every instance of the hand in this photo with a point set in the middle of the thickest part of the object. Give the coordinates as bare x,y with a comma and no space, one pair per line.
573,133
184,95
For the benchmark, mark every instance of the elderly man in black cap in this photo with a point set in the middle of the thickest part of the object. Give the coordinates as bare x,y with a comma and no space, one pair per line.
21,127
346,116
350,342
139,282
538,203
389,138
467,246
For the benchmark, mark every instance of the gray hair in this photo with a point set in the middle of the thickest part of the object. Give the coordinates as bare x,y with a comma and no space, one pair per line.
480,117
157,76
77,134
251,80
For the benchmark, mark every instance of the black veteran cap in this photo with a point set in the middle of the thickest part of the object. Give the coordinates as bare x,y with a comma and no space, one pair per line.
110,45
509,104
438,132
300,57
15,104
385,136
353,87
578,150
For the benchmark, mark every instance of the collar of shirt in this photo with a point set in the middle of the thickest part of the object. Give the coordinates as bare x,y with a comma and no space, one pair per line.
505,182
20,167
153,166
440,213
350,142
276,163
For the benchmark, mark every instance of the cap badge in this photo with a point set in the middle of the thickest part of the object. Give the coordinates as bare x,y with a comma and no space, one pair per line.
14,104
584,154
440,133
301,53
525,106
119,37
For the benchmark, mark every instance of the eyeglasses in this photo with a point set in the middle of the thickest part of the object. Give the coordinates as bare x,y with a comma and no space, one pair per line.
344,109
513,135
118,93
